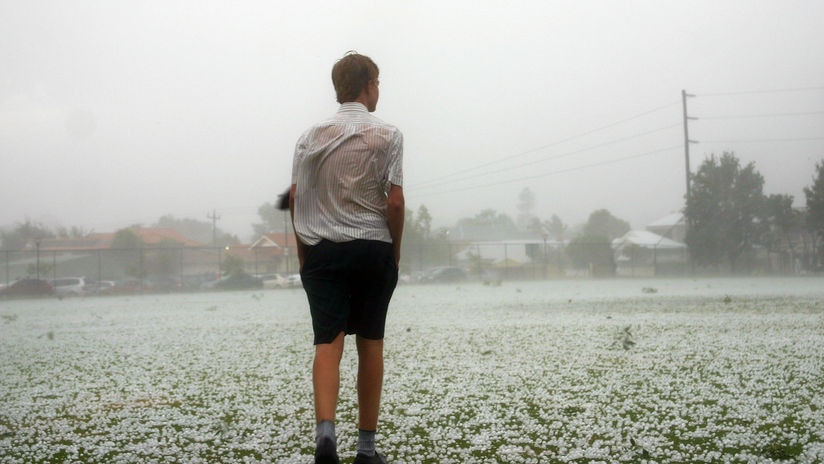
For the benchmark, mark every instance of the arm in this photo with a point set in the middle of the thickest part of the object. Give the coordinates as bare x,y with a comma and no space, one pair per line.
300,244
395,211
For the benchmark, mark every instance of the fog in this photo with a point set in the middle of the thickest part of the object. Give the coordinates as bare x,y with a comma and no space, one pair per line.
116,113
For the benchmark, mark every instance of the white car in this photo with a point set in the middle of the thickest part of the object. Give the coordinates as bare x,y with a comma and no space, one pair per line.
69,286
294,281
274,281
100,287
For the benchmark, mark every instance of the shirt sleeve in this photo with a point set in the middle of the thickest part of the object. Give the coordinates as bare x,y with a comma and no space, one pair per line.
296,157
395,167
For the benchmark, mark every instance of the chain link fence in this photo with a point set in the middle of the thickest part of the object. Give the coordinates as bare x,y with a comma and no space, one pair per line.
188,267
172,267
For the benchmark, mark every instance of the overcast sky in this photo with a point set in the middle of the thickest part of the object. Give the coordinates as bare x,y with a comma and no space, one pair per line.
118,112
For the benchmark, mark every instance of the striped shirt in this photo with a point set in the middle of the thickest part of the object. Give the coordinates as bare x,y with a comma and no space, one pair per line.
342,169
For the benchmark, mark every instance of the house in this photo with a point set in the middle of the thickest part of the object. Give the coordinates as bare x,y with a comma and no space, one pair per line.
671,226
275,252
166,252
512,258
150,236
645,253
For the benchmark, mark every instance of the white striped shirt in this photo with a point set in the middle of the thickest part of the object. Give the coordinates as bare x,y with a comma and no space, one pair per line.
343,169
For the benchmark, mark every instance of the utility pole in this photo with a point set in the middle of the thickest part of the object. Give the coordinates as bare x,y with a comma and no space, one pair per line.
687,140
214,217
687,143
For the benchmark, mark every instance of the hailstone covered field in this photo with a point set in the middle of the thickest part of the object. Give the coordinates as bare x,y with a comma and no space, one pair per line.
583,371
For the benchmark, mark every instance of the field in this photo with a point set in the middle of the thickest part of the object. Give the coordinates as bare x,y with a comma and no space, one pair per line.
583,371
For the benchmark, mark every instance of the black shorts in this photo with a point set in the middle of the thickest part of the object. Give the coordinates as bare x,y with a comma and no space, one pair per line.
349,285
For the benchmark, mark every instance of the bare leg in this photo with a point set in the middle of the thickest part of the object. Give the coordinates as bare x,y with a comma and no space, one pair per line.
326,378
370,382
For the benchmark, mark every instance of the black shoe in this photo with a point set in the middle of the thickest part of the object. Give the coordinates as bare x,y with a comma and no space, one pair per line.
364,459
325,452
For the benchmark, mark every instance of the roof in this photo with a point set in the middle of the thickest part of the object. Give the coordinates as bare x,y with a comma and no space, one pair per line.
275,240
646,239
498,252
103,241
669,220
155,235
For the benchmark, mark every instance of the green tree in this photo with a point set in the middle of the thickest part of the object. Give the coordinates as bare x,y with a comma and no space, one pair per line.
556,228
232,265
130,249
419,248
815,210
423,221
592,252
23,234
272,220
164,258
487,225
127,239
73,232
783,221
602,223
723,211
194,229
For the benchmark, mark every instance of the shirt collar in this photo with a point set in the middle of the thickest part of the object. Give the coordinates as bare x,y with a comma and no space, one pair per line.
353,106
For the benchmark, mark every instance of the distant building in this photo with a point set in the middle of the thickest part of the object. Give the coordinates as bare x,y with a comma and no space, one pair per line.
671,226
645,253
275,253
150,236
165,252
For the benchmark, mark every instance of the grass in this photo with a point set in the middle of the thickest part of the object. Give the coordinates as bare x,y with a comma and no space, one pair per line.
522,373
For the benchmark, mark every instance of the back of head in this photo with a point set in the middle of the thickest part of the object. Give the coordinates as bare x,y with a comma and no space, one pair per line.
351,74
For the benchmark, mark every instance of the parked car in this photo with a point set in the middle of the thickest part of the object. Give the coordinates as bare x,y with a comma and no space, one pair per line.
166,284
274,281
27,288
99,287
131,285
237,281
446,274
294,281
69,286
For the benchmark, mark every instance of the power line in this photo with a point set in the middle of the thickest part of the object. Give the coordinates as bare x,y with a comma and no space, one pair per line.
787,139
450,177
434,183
766,115
214,217
762,91
551,173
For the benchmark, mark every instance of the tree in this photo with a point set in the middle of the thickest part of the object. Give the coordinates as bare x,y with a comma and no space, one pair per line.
783,221
130,247
232,265
273,220
23,234
556,228
602,223
127,239
487,225
423,221
194,229
592,252
420,247
592,248
815,208
73,232
723,211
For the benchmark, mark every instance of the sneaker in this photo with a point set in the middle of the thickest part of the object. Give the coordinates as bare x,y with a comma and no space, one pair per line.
325,452
364,459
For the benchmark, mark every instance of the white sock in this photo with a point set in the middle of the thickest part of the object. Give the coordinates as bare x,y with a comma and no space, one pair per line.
366,442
